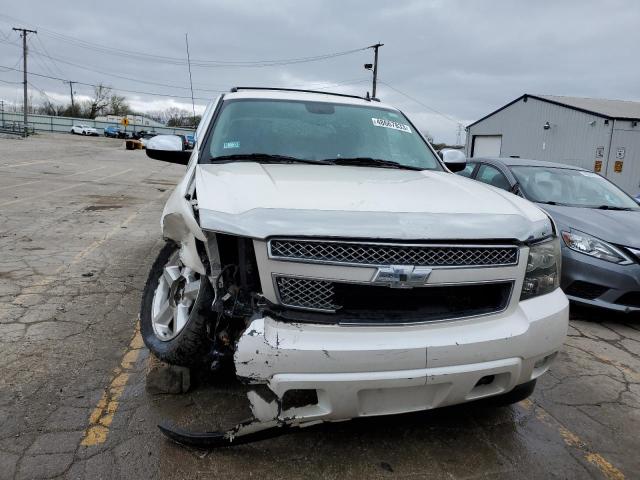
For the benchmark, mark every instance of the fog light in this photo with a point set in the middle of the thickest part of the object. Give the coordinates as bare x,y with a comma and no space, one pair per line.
486,380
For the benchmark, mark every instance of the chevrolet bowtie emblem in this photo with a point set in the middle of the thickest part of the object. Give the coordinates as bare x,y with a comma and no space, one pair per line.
402,276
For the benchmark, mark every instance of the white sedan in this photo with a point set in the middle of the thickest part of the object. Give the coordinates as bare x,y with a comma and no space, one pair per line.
84,130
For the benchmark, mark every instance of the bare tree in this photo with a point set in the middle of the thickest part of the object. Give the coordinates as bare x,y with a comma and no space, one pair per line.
118,105
174,116
50,108
100,100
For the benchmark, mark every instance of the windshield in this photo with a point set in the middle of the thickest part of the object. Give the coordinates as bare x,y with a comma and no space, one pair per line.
314,131
575,188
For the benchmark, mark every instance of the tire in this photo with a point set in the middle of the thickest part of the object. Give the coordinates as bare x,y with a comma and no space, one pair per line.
519,393
84,133
191,344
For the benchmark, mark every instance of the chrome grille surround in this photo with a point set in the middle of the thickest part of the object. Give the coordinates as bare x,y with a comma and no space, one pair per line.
306,293
381,254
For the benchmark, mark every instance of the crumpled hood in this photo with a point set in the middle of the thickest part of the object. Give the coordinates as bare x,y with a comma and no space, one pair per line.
262,200
618,227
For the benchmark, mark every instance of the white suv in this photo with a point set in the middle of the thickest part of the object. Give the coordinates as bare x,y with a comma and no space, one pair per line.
84,130
320,245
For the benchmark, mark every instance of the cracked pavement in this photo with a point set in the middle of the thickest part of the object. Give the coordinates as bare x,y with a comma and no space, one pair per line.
79,229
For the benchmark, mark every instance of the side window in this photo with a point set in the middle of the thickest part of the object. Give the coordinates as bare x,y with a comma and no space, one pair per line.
468,170
492,176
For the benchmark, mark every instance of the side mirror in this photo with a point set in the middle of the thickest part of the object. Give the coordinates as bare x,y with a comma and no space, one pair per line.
455,160
168,148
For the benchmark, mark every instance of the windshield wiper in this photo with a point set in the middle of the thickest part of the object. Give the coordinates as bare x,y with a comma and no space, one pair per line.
551,202
262,158
611,207
369,162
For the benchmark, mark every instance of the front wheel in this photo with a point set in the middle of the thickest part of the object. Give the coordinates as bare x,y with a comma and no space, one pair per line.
174,310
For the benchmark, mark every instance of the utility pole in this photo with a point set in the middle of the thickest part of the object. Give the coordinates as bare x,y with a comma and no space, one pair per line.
2,113
374,67
73,109
459,136
24,33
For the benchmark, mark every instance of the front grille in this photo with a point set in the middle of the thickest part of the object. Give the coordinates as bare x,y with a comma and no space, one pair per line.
377,254
306,293
587,290
366,303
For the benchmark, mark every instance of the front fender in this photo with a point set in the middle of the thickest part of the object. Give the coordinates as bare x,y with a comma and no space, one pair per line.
179,222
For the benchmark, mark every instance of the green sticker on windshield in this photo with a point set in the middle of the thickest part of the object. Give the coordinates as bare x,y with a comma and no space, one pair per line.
231,145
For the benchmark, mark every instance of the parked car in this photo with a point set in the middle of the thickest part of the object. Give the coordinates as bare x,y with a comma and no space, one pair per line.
113,132
320,245
145,137
84,130
191,141
599,225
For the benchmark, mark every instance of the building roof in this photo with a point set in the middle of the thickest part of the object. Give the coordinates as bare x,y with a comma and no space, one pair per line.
611,109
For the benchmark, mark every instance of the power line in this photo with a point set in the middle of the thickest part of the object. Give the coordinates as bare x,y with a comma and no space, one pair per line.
158,94
39,59
421,103
122,77
49,56
181,61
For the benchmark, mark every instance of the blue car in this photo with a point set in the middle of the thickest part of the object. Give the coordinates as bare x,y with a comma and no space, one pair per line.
191,140
113,132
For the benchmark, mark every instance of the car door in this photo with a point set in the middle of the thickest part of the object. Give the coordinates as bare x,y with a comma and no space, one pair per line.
492,176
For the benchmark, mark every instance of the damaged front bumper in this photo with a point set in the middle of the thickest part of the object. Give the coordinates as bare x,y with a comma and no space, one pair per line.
367,371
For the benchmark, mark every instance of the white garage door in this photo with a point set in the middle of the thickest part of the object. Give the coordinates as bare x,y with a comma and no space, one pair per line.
487,145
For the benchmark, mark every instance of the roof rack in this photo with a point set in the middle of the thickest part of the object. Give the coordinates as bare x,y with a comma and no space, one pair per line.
236,89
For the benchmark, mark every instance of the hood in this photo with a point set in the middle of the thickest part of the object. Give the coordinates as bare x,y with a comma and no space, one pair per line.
262,200
618,227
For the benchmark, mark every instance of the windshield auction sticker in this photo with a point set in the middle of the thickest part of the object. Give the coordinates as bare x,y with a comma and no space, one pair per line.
381,122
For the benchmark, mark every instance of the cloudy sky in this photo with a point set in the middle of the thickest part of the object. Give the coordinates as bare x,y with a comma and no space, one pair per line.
444,62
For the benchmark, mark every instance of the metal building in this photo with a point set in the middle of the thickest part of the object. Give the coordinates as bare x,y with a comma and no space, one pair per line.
596,134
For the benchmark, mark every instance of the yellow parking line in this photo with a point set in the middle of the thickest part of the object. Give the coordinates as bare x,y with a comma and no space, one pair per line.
608,470
102,415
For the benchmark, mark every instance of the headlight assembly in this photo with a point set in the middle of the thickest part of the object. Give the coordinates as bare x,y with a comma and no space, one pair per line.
543,269
583,243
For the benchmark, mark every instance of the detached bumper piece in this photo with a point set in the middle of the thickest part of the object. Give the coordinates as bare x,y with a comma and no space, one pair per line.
246,432
265,423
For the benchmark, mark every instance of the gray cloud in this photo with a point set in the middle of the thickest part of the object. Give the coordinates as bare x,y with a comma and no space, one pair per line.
462,58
